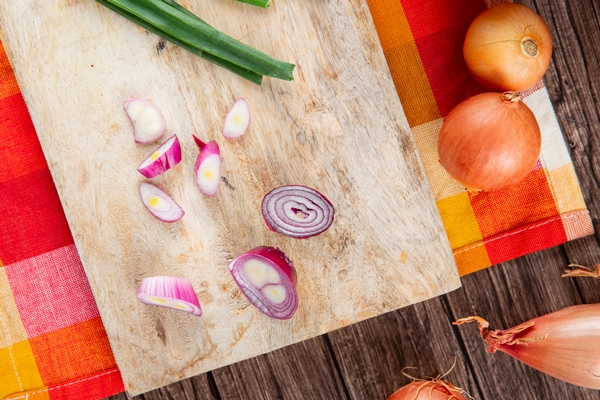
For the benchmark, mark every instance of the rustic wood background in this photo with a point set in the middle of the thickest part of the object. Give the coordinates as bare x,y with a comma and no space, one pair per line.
363,361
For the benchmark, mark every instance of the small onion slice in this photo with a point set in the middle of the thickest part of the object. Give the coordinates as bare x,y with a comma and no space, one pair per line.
237,120
297,211
267,278
147,120
207,170
159,203
162,159
170,292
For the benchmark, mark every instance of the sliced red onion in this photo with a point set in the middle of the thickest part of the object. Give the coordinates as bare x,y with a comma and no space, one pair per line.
237,119
159,203
297,211
267,278
147,120
163,158
166,291
208,167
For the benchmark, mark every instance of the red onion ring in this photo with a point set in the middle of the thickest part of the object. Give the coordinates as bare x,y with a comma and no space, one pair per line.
297,211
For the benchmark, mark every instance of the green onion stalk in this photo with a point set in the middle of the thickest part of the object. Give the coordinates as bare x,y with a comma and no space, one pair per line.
181,27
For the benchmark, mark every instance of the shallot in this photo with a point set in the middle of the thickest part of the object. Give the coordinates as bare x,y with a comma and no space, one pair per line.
297,211
435,389
207,169
170,292
159,203
162,159
147,120
237,120
267,278
562,344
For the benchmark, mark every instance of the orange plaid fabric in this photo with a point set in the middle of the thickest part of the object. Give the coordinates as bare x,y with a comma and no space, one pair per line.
422,42
52,341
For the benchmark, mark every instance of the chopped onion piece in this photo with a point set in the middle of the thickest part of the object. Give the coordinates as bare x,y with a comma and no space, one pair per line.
207,170
159,203
166,291
163,158
267,278
237,119
148,122
297,211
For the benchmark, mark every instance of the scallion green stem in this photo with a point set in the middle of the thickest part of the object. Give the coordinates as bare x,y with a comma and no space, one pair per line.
259,3
169,20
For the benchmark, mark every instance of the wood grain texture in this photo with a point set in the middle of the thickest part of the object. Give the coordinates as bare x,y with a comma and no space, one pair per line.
329,129
371,354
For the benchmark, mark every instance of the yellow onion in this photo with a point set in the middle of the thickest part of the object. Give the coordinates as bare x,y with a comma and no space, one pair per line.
562,344
508,47
436,389
490,141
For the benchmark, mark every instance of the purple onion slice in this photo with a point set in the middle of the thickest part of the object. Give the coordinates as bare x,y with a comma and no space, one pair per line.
147,120
166,156
166,291
159,203
267,278
207,170
297,211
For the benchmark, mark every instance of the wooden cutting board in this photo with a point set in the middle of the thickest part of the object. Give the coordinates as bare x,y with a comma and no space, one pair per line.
338,127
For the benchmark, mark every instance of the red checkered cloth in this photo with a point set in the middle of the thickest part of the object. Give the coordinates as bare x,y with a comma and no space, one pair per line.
52,341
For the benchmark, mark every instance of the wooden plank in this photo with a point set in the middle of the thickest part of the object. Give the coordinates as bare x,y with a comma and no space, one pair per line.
373,353
306,370
328,129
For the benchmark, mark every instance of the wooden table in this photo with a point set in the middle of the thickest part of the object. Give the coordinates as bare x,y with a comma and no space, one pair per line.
363,361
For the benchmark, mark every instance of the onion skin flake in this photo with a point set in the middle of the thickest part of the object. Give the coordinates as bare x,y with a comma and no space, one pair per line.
267,278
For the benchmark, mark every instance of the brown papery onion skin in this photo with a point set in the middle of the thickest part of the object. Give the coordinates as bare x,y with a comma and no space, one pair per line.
562,344
436,389
490,141
508,47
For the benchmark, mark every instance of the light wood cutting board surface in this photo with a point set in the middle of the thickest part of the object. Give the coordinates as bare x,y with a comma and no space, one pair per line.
338,127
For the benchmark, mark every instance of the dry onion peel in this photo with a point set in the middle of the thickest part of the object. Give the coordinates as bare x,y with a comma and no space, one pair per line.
581,271
432,389
267,278
508,47
159,203
435,389
162,159
562,344
207,170
297,211
147,120
490,141
170,292
237,120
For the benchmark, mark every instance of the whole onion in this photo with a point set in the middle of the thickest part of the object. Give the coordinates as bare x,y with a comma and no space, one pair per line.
508,47
490,141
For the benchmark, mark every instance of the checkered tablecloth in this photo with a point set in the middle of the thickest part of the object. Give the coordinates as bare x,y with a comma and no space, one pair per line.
52,341
422,42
